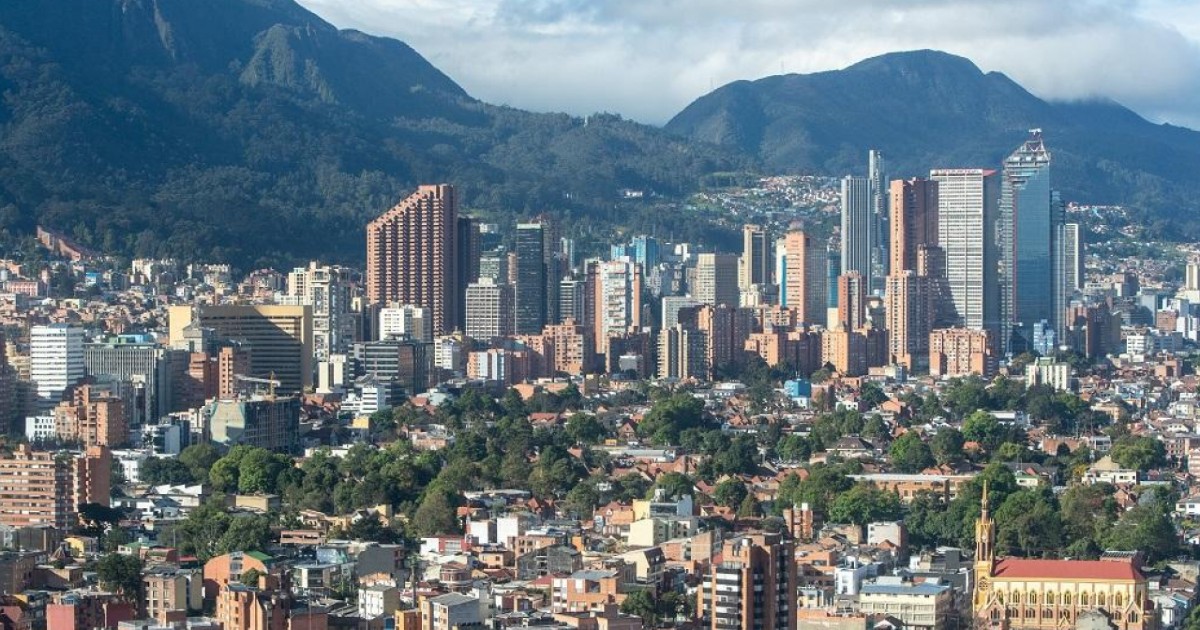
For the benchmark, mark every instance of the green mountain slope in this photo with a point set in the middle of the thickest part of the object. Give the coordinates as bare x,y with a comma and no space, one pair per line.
254,132
929,109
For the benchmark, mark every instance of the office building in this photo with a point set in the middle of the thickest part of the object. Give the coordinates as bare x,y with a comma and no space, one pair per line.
852,301
489,310
878,191
752,584
803,283
572,299
406,361
1069,272
405,320
47,487
55,362
754,267
1029,219
494,265
279,338
468,250
134,358
267,422
326,289
529,292
716,279
412,255
672,305
967,214
858,223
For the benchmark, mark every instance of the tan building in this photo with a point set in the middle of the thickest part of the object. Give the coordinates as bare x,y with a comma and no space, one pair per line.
589,589
957,352
926,605
279,337
845,350
682,353
168,590
751,585
241,607
909,319
616,302
412,255
852,301
93,417
1016,593
452,611
46,488
717,279
914,221
572,350
804,284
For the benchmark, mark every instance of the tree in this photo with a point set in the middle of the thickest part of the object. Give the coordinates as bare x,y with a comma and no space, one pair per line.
583,499
1145,528
437,513
1088,512
157,471
947,445
871,395
1027,524
641,603
250,577
1139,453
585,428
983,428
865,503
245,533
674,485
964,396
671,416
371,529
794,448
749,508
730,493
122,574
199,458
910,454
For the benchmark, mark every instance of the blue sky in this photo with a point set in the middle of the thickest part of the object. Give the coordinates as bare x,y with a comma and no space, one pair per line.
647,59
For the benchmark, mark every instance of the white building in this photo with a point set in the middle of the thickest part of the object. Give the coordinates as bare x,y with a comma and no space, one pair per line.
55,361
489,310
405,319
327,290
1047,371
378,600
38,428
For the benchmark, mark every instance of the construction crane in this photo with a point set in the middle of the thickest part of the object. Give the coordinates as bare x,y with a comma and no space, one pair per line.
271,383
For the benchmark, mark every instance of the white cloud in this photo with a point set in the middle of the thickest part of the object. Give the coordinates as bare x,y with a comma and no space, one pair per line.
647,59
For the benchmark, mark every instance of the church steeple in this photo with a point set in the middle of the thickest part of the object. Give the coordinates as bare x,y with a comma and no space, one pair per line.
985,533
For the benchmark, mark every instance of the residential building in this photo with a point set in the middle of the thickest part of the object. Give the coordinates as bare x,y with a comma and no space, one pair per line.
927,605
92,417
957,352
751,585
412,255
405,320
263,421
802,283
46,488
617,300
682,353
452,611
326,289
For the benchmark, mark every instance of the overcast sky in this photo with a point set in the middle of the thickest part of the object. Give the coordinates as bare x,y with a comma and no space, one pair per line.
647,59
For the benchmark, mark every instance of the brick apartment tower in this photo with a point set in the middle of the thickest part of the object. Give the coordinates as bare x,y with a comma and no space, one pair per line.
412,255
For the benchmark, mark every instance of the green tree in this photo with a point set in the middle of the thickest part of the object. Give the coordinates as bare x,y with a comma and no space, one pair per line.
1146,528
749,508
910,454
640,603
674,485
199,458
122,574
1027,524
864,503
730,493
1139,453
583,499
159,471
585,428
1088,512
250,577
947,445
670,416
245,533
983,428
437,513
794,448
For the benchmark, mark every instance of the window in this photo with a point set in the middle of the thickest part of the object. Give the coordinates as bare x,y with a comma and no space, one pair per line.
1083,599
1133,616
1066,599
1119,600
995,614
1100,599
1050,598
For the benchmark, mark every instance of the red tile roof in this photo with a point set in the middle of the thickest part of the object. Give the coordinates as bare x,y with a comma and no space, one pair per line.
1066,569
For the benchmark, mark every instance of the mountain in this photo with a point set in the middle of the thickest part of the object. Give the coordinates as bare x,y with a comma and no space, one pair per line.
252,131
927,109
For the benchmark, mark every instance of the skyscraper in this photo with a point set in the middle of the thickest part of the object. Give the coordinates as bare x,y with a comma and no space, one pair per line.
1027,225
55,362
618,300
489,310
327,290
1068,272
716,279
529,294
914,221
754,267
803,285
412,254
468,251
909,320
852,301
967,212
858,237
877,181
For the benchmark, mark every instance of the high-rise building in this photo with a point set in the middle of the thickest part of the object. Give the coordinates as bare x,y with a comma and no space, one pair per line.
908,319
327,290
572,300
752,585
279,337
494,265
404,361
93,417
852,301
1069,272
55,362
572,350
405,319
672,305
412,254
754,267
716,279
914,222
489,310
529,293
682,353
955,352
967,214
468,251
1028,220
833,269
46,488
878,189
135,359
858,238
618,300
803,285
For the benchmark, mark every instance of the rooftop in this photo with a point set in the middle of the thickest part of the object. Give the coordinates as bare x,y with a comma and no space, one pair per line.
1020,568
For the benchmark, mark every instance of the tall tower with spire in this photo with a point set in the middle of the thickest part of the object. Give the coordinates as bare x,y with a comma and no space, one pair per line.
985,552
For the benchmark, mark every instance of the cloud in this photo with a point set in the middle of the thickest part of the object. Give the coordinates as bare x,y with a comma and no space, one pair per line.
649,59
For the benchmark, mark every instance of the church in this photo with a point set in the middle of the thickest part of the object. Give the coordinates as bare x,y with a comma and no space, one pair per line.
1019,593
